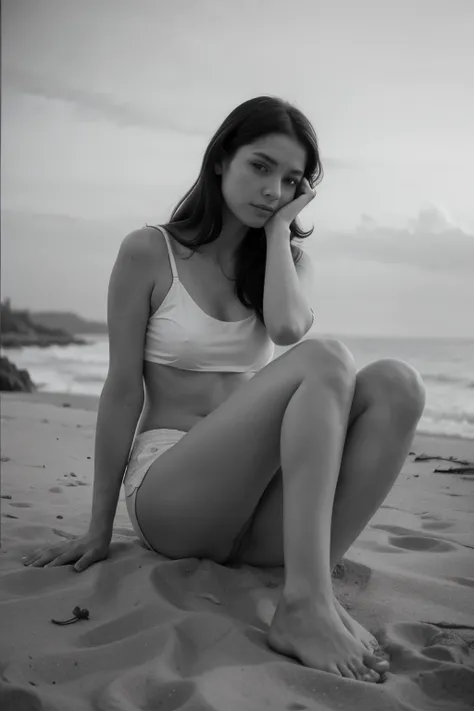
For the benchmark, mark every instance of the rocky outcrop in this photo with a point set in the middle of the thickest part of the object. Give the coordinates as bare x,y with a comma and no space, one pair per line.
19,330
67,321
13,379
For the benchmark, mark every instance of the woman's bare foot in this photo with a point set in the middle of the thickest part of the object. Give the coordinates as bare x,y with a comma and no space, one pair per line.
317,637
356,629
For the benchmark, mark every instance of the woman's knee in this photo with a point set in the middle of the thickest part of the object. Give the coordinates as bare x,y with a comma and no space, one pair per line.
396,383
329,361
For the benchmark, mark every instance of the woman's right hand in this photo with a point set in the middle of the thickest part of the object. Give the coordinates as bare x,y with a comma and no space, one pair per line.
83,551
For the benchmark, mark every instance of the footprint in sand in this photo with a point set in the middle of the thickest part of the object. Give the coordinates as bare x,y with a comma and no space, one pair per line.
437,525
447,645
410,642
20,504
421,543
432,522
411,540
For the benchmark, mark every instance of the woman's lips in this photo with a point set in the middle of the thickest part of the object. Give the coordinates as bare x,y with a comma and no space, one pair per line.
263,210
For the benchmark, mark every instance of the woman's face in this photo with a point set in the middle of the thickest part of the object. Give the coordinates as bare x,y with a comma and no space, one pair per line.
251,178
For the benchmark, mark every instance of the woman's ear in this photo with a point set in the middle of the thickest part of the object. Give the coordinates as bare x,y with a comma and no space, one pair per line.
222,164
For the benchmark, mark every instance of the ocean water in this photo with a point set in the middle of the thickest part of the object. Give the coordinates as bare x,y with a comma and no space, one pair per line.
446,365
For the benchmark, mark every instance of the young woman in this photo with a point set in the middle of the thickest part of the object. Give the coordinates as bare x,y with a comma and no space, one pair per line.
237,457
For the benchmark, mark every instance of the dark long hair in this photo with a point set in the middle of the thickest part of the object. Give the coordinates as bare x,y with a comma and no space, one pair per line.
202,206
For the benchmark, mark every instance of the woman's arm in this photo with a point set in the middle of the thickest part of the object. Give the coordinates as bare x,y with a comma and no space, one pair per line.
288,315
121,402
117,419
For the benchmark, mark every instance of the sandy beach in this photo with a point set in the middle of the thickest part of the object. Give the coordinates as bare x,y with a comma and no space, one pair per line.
190,634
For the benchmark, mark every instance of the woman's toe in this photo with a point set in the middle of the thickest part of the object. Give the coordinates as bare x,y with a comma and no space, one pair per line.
376,663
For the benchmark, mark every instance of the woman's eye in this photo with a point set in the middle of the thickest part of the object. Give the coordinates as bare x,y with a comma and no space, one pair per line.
292,181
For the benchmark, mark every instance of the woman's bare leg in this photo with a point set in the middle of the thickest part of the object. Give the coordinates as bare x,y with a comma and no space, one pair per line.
391,398
306,624
387,405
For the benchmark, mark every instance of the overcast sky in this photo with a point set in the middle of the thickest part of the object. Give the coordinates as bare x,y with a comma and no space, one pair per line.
108,107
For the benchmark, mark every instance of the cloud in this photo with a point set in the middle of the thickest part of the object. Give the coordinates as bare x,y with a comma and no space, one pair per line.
95,104
173,114
430,242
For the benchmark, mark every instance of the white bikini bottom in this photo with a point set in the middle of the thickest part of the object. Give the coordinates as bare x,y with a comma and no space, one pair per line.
146,449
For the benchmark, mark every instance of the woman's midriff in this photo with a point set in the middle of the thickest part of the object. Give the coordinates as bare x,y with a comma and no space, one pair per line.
178,399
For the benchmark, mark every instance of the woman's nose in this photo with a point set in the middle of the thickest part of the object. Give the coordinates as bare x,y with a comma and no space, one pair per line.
272,191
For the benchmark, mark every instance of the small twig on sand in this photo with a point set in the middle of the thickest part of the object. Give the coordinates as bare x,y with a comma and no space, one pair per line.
427,457
78,613
456,470
448,625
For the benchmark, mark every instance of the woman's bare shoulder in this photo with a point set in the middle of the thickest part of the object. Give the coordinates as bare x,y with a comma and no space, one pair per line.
147,245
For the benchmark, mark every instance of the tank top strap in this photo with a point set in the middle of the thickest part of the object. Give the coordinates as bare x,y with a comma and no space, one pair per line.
170,251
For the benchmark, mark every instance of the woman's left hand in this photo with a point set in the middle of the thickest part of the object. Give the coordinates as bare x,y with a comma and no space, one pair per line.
286,214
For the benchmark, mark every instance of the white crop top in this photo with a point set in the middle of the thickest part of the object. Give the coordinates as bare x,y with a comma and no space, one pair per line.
182,335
